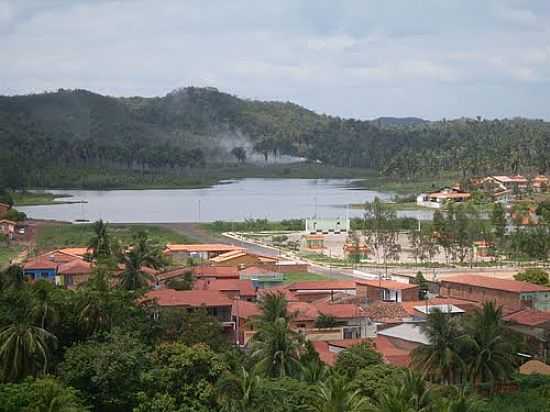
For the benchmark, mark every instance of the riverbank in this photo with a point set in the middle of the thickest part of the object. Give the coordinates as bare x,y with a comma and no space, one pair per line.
38,198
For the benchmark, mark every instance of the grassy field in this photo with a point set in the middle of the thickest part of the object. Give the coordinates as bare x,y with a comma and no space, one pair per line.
7,253
54,236
403,186
37,198
303,276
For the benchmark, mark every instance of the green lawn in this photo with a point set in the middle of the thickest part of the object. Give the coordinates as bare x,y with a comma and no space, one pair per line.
36,198
301,276
64,235
7,253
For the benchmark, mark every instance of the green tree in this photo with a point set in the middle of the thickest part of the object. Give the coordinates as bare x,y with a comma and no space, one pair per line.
13,277
533,275
101,243
358,357
491,358
411,395
141,255
442,358
237,392
498,220
107,371
335,395
325,321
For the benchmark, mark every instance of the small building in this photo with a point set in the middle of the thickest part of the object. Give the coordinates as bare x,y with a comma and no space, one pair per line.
7,228
315,242
515,183
232,288
242,259
73,273
504,292
534,327
484,248
326,226
439,198
4,208
262,277
540,183
41,268
216,303
215,272
199,251
308,291
387,291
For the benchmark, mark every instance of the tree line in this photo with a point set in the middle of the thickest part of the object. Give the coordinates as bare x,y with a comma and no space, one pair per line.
43,134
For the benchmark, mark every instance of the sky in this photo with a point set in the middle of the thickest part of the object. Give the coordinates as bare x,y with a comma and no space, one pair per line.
351,58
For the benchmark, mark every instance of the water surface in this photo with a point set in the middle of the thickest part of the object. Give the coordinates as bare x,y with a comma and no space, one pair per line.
274,199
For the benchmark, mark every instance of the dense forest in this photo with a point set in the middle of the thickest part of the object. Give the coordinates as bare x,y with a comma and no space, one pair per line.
47,137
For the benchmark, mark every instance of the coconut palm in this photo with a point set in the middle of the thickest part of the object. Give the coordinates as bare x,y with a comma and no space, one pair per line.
13,277
237,391
43,310
410,395
336,395
273,305
100,244
24,350
492,357
442,358
277,348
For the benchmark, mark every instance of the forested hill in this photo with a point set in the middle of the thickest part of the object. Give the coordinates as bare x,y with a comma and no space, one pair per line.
45,135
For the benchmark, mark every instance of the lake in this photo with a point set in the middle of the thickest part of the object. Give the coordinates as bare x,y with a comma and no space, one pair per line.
274,199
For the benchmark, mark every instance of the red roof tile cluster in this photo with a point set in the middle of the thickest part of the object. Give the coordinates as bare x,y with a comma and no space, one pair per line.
40,262
324,352
219,272
386,312
75,267
528,317
341,310
387,284
487,282
390,353
243,287
244,309
290,296
192,298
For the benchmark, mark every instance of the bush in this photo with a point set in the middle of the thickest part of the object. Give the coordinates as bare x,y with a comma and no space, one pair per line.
533,275
15,215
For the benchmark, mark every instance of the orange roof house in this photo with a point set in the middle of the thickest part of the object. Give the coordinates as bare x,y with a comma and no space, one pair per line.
206,251
216,272
74,272
387,290
440,197
241,259
233,288
308,291
504,292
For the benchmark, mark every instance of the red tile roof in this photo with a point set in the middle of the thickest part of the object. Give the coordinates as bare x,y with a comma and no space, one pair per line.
290,296
322,285
75,267
386,312
507,285
387,284
244,309
244,287
194,298
390,353
324,352
304,311
219,272
348,343
341,310
40,262
254,270
528,317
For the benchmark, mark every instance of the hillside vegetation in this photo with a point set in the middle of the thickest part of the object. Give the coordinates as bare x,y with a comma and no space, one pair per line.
79,138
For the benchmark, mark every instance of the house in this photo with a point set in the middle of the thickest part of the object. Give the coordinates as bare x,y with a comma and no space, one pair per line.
242,259
440,197
200,251
7,228
326,226
387,290
516,183
406,336
315,242
216,303
309,291
534,327
215,272
352,249
73,273
4,208
540,183
232,288
484,248
41,268
504,292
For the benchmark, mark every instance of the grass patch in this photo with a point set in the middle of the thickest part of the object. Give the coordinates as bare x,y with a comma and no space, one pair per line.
7,253
55,236
37,198
255,225
303,276
402,186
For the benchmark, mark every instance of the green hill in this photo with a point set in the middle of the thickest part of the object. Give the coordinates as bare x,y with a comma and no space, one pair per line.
69,137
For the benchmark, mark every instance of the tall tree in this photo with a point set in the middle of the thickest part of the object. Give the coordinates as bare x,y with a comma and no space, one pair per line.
101,243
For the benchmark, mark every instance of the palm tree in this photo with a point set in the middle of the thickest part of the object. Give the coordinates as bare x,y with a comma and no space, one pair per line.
139,256
277,349
411,395
237,391
43,310
492,357
442,358
336,395
24,350
13,277
100,244
273,306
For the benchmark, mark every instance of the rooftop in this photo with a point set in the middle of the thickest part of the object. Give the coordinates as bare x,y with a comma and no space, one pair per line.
387,284
507,285
193,298
386,312
221,272
198,248
406,331
341,310
245,309
390,353
528,317
40,262
244,287
511,179
534,367
75,267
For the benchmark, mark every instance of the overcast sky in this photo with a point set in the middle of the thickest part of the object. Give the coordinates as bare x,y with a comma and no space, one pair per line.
362,59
